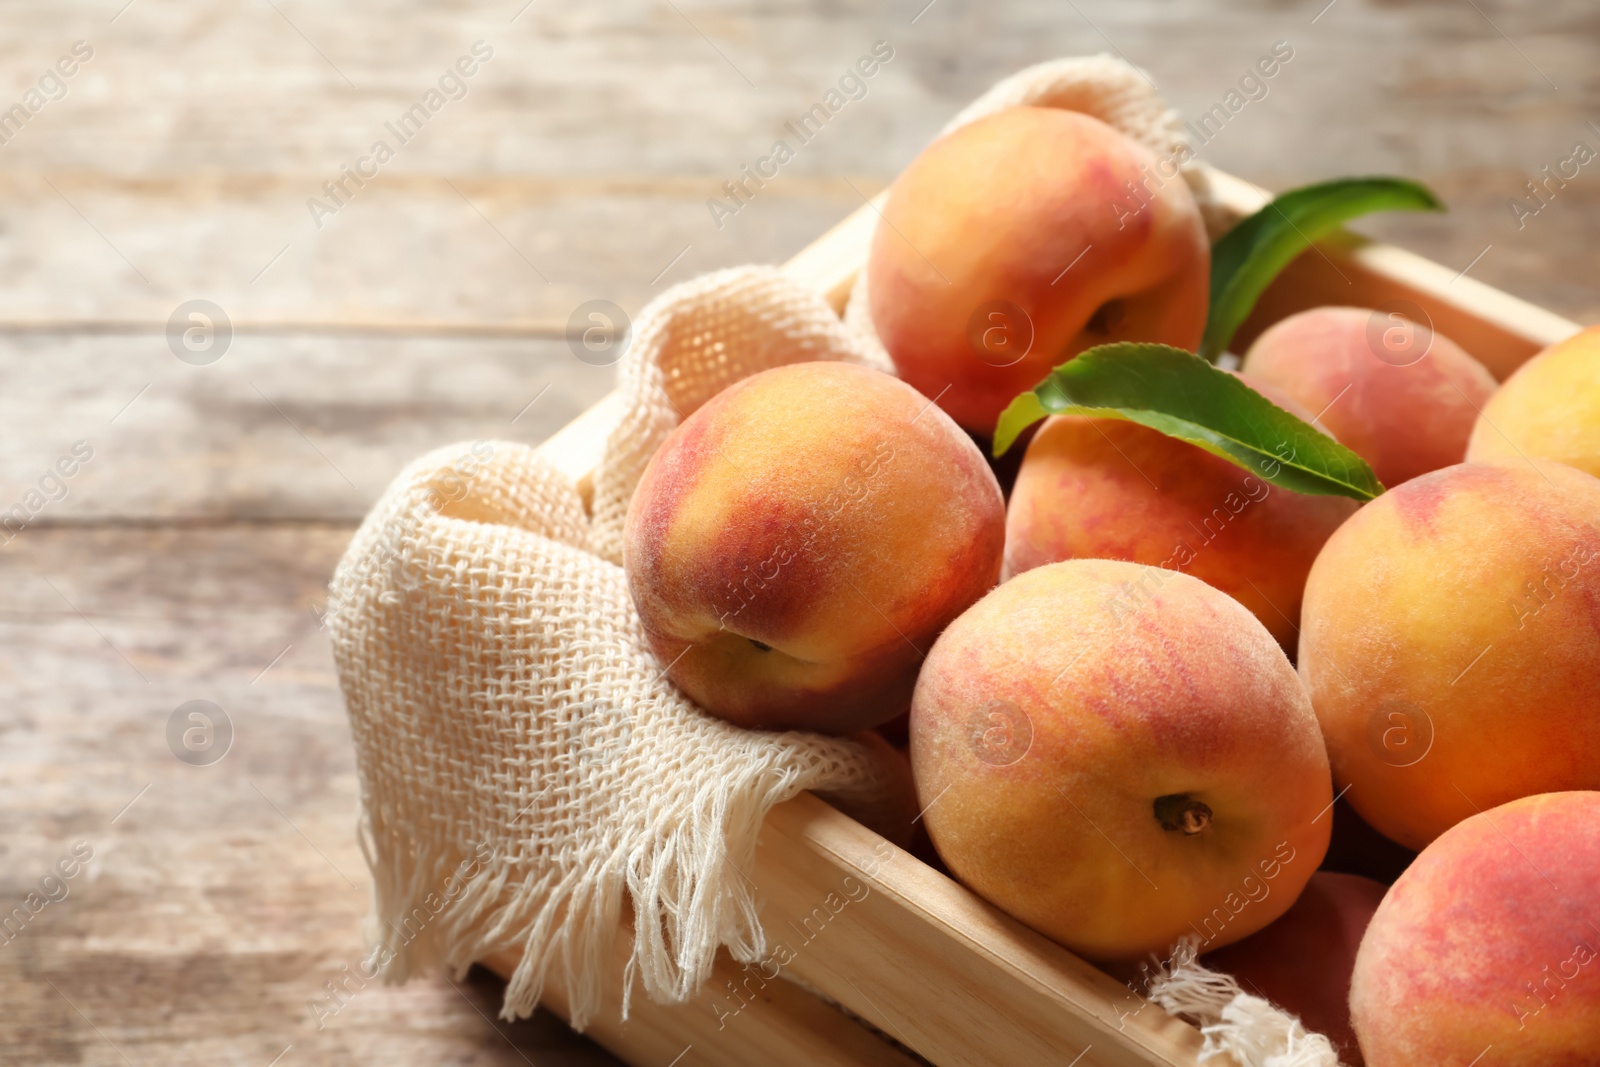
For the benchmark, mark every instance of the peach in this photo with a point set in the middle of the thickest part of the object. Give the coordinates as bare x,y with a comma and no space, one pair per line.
1117,780
1487,950
1549,408
1450,641
797,543
1400,395
1303,961
1016,242
1112,489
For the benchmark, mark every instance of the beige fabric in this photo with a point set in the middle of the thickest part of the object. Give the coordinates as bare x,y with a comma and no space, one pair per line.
505,707
1111,90
1238,1028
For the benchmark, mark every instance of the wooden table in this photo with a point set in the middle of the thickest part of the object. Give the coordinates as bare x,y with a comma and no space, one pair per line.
186,559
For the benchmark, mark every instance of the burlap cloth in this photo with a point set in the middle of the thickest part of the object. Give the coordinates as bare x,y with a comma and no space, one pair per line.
527,772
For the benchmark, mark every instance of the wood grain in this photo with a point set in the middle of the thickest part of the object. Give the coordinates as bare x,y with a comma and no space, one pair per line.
196,543
301,428
924,959
590,144
220,899
760,1021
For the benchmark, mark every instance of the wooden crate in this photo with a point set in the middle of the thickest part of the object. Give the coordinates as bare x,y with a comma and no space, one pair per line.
923,960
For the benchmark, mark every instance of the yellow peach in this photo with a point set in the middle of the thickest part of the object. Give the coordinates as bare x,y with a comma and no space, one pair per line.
1450,641
797,543
1016,242
1114,780
1486,950
1550,408
1400,395
1112,489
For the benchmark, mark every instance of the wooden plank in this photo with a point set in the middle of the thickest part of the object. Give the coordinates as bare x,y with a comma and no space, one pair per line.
195,136
474,252
926,960
220,899
388,326
774,1022
301,428
831,262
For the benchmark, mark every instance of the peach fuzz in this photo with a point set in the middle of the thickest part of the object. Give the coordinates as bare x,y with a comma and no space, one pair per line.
1549,408
1450,642
1487,949
1401,396
797,543
1117,781
1112,489
1304,960
1001,210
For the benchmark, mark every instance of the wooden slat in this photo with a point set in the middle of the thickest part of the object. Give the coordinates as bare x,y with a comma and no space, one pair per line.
220,899
777,1023
577,448
897,943
928,961
830,264
299,429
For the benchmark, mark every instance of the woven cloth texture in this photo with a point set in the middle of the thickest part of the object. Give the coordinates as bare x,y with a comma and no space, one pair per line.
528,775
1237,1027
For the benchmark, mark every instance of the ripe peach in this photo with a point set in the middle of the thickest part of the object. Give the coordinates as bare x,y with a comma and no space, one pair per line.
1487,950
1117,780
1549,408
1303,961
797,543
1111,489
1396,393
1450,639
1016,242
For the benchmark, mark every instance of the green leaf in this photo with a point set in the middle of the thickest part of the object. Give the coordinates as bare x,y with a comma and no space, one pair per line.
1246,258
1185,397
